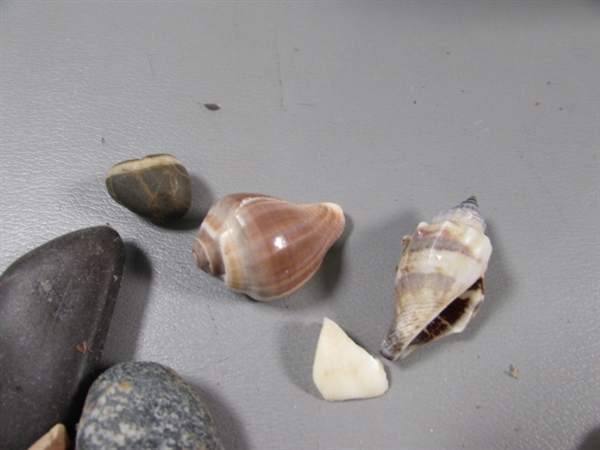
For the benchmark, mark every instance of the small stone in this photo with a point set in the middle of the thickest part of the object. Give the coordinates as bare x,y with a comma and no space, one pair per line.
54,300
140,405
157,187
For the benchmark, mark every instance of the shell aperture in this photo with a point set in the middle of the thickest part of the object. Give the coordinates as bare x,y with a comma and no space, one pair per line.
439,282
264,246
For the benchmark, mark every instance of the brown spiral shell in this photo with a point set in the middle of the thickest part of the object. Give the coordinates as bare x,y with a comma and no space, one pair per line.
264,246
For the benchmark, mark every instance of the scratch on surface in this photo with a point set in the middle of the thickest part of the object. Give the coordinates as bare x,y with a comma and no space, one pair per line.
151,68
280,82
240,350
244,347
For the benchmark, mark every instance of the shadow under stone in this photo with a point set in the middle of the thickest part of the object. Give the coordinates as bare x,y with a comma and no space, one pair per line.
297,345
228,424
202,200
129,310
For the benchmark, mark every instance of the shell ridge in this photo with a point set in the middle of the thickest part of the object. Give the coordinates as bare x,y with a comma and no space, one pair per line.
413,283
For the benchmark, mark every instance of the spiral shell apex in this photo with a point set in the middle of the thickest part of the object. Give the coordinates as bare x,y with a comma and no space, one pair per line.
439,282
264,246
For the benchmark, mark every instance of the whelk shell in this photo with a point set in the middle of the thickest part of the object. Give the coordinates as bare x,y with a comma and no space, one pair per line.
439,281
264,246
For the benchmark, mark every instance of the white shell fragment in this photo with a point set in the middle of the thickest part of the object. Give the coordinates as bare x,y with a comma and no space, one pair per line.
55,439
439,281
343,370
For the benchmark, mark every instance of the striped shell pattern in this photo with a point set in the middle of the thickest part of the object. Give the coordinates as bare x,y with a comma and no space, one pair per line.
264,246
439,281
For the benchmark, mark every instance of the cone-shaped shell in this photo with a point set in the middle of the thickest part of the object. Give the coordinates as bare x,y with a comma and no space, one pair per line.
439,282
263,246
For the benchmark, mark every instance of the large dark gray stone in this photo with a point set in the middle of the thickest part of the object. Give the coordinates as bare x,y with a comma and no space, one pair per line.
142,405
56,303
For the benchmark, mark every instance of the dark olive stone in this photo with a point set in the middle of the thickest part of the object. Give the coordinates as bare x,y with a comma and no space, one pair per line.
157,187
141,405
56,303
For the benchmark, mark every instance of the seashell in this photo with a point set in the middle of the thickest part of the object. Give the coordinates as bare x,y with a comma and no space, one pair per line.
55,439
439,281
343,370
263,246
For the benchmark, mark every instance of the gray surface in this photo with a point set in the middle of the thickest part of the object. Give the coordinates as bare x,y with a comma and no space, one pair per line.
393,110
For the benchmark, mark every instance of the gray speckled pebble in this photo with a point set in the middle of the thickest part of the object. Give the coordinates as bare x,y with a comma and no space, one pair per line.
144,405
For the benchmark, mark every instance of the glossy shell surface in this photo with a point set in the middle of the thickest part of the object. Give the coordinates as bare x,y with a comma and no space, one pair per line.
263,246
439,281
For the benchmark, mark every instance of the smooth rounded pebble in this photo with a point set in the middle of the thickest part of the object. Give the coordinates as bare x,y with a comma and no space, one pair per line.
157,187
56,304
142,405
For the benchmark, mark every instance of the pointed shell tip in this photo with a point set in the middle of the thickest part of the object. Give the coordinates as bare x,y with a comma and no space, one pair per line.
470,203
